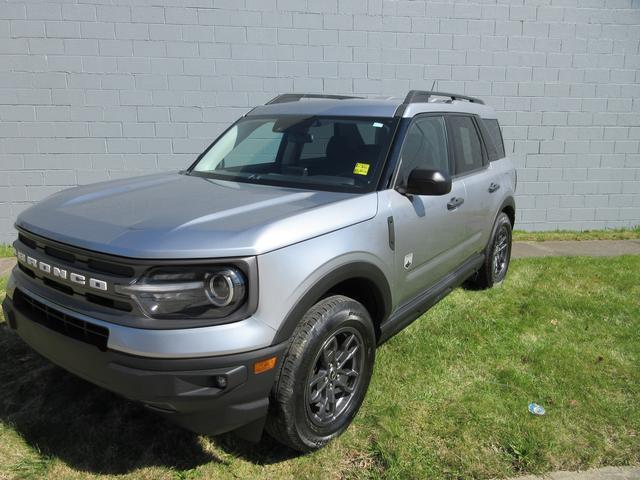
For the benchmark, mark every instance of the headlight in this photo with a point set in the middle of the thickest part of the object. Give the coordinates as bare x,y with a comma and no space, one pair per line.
197,292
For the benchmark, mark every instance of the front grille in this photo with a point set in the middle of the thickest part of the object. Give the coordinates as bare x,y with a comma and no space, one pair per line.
27,241
110,268
90,297
60,254
60,322
82,262
75,258
26,270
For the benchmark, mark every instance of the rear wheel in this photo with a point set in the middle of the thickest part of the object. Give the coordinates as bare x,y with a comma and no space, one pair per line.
497,255
324,375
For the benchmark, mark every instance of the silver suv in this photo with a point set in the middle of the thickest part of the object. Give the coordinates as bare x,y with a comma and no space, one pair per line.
253,288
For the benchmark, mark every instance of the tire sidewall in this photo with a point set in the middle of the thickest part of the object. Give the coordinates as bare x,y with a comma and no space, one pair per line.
501,222
346,314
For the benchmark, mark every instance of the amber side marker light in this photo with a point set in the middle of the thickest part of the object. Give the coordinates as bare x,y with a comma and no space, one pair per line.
264,365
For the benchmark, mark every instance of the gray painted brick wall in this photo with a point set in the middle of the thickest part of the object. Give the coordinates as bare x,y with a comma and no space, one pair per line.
98,89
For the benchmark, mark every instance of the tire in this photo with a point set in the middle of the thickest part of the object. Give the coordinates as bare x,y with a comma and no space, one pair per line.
497,255
297,417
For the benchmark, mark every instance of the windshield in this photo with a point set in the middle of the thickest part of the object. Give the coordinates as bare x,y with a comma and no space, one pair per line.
324,153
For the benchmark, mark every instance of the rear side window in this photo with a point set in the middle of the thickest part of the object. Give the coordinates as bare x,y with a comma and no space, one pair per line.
492,139
467,148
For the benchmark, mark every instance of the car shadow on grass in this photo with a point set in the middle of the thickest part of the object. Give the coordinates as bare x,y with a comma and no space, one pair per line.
93,430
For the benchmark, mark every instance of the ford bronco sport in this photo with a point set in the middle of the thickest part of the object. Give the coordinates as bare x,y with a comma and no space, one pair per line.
252,289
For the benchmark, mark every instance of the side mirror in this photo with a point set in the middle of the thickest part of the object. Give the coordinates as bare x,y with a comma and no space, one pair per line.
427,182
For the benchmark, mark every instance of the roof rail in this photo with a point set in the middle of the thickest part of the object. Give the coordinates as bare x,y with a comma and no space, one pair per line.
294,97
422,96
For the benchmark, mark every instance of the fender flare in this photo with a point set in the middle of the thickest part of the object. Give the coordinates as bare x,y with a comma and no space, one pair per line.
507,202
354,270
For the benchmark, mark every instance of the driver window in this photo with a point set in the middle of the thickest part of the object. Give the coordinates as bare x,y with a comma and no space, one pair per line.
425,146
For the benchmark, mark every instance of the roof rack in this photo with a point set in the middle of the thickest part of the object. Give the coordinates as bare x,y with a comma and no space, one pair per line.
422,96
294,97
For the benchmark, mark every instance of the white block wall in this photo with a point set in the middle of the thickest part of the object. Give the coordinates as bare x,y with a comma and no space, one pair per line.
99,89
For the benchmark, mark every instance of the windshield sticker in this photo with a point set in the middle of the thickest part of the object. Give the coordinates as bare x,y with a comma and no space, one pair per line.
378,125
361,169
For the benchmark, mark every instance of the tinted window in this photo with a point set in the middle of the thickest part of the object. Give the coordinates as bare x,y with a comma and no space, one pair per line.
466,143
321,135
369,132
363,135
492,138
425,146
494,129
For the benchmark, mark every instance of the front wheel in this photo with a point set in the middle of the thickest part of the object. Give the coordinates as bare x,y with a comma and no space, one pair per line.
324,375
497,255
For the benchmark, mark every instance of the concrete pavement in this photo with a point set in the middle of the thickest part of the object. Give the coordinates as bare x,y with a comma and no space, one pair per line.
572,248
606,473
6,264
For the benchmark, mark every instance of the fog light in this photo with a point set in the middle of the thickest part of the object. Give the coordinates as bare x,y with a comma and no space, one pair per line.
221,381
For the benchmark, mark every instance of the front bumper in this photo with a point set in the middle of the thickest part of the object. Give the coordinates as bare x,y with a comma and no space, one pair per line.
186,390
207,341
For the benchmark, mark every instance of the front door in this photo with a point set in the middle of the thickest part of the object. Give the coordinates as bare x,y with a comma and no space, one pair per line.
429,231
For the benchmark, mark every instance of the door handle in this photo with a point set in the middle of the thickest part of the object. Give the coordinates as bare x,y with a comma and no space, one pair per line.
493,187
454,203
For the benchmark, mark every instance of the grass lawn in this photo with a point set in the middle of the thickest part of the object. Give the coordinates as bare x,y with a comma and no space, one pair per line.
448,397
6,250
612,234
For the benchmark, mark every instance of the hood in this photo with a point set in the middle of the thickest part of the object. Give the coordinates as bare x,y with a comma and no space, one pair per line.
173,216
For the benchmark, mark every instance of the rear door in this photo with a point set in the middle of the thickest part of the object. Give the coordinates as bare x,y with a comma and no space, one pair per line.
470,166
429,230
498,170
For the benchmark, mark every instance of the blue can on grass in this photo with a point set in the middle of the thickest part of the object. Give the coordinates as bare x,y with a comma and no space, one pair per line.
536,409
